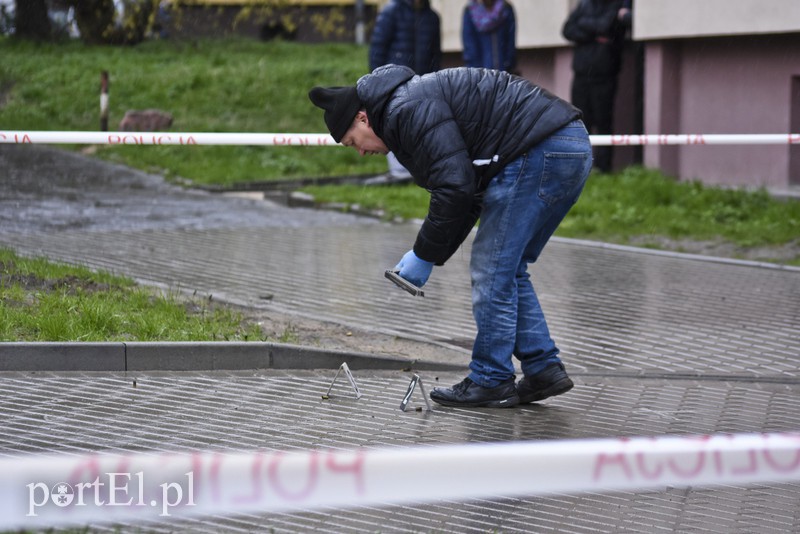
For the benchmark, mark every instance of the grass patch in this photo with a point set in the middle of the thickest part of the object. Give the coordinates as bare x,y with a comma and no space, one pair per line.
241,85
634,204
231,85
45,301
404,201
640,202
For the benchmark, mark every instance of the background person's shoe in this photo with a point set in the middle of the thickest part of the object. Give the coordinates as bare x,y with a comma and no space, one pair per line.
468,394
549,383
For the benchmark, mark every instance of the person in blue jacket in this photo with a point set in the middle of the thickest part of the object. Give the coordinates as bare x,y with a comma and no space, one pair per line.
407,33
488,34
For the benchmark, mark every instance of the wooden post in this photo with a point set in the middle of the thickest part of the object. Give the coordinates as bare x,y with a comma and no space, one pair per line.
359,12
104,101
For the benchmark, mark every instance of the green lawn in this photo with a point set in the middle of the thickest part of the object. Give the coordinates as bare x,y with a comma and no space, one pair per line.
636,204
208,86
45,301
243,85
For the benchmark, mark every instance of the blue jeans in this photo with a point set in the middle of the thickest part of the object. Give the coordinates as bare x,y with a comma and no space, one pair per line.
522,207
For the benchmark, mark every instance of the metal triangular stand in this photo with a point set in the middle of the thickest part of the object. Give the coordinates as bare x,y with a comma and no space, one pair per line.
350,378
411,386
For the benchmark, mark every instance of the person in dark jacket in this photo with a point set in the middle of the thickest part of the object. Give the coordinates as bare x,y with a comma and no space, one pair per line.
486,144
488,35
597,28
407,32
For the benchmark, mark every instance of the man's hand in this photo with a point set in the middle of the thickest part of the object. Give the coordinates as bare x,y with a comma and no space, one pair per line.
414,269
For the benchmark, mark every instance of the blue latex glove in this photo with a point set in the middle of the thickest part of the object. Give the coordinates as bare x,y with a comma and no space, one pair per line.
414,269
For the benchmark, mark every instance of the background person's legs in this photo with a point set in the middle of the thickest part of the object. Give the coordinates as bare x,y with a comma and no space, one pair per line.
396,169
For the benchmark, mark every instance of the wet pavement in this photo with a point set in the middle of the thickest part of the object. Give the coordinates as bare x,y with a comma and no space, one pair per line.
658,343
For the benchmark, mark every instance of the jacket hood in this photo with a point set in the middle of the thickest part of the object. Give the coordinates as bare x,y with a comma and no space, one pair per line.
376,89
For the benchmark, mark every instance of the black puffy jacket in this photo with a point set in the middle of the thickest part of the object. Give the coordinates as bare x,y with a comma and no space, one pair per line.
454,130
407,34
590,20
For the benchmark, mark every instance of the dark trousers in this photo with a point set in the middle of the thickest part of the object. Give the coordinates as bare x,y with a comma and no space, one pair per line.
594,96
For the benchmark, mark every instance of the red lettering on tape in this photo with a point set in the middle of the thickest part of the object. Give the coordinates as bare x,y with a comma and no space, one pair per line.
643,469
213,478
749,467
87,469
19,139
620,140
604,461
311,479
356,468
634,465
696,140
780,467
688,473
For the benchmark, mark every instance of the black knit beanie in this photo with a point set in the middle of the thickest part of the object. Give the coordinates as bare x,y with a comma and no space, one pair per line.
341,104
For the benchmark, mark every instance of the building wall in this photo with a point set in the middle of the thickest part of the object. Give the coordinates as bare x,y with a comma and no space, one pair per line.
538,22
545,58
710,66
660,19
794,127
737,84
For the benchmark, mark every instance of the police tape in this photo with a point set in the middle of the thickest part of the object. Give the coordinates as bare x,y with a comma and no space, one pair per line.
167,138
54,491
311,139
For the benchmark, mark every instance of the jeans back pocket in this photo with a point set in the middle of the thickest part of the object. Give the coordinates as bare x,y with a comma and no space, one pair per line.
563,174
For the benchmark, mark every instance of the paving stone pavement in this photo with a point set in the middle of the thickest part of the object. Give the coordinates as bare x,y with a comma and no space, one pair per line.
657,343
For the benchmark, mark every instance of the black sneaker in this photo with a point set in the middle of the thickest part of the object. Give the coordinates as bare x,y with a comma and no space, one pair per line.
468,394
549,383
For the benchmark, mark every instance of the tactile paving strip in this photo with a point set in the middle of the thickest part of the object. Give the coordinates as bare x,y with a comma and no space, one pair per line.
77,413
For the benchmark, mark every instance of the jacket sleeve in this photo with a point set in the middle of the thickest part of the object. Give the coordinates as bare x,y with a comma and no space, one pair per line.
469,41
381,38
436,61
584,26
429,131
574,30
510,61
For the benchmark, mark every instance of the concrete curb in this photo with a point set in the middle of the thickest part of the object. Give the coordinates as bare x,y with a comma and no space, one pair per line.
193,356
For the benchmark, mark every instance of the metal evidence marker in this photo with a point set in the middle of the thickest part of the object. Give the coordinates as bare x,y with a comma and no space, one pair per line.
402,283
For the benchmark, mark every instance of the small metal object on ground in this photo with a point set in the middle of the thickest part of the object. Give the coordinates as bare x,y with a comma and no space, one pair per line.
404,284
411,386
350,378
